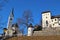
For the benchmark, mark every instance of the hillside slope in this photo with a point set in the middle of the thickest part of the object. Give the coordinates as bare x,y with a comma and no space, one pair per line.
35,38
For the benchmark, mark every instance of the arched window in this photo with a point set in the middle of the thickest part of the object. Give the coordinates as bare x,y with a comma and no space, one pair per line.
46,23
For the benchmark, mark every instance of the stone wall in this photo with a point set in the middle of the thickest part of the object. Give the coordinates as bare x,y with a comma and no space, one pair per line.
47,32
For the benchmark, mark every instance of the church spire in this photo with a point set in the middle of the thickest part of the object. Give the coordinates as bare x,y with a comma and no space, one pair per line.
10,19
12,12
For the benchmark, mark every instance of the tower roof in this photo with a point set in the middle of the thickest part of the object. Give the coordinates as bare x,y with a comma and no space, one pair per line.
45,12
30,25
12,12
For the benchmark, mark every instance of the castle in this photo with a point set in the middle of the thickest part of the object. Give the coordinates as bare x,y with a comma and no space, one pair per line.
50,25
50,21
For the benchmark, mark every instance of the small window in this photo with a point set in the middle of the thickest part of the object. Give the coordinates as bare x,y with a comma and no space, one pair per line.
52,20
53,24
59,23
10,18
59,19
46,17
46,23
55,19
48,14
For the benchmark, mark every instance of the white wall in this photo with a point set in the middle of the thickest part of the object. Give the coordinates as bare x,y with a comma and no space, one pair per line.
44,19
55,22
30,31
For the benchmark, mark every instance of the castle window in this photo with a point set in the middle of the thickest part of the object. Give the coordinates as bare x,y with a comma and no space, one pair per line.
46,17
48,14
55,19
53,24
52,20
59,19
59,23
46,23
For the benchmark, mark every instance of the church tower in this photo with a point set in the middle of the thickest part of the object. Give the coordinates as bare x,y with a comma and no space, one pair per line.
9,25
10,19
46,19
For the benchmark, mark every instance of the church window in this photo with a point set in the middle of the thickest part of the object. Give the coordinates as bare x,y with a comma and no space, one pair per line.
10,18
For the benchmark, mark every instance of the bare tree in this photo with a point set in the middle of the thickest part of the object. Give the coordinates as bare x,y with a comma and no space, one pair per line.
27,18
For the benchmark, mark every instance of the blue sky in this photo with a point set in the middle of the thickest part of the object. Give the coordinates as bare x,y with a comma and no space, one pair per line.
36,7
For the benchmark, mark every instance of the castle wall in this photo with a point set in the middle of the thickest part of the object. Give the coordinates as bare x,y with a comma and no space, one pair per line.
54,22
46,33
46,17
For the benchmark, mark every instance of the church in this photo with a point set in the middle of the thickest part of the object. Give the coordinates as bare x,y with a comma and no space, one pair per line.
12,29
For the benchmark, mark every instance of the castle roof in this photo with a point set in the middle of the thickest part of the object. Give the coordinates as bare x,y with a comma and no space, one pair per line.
57,16
45,12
